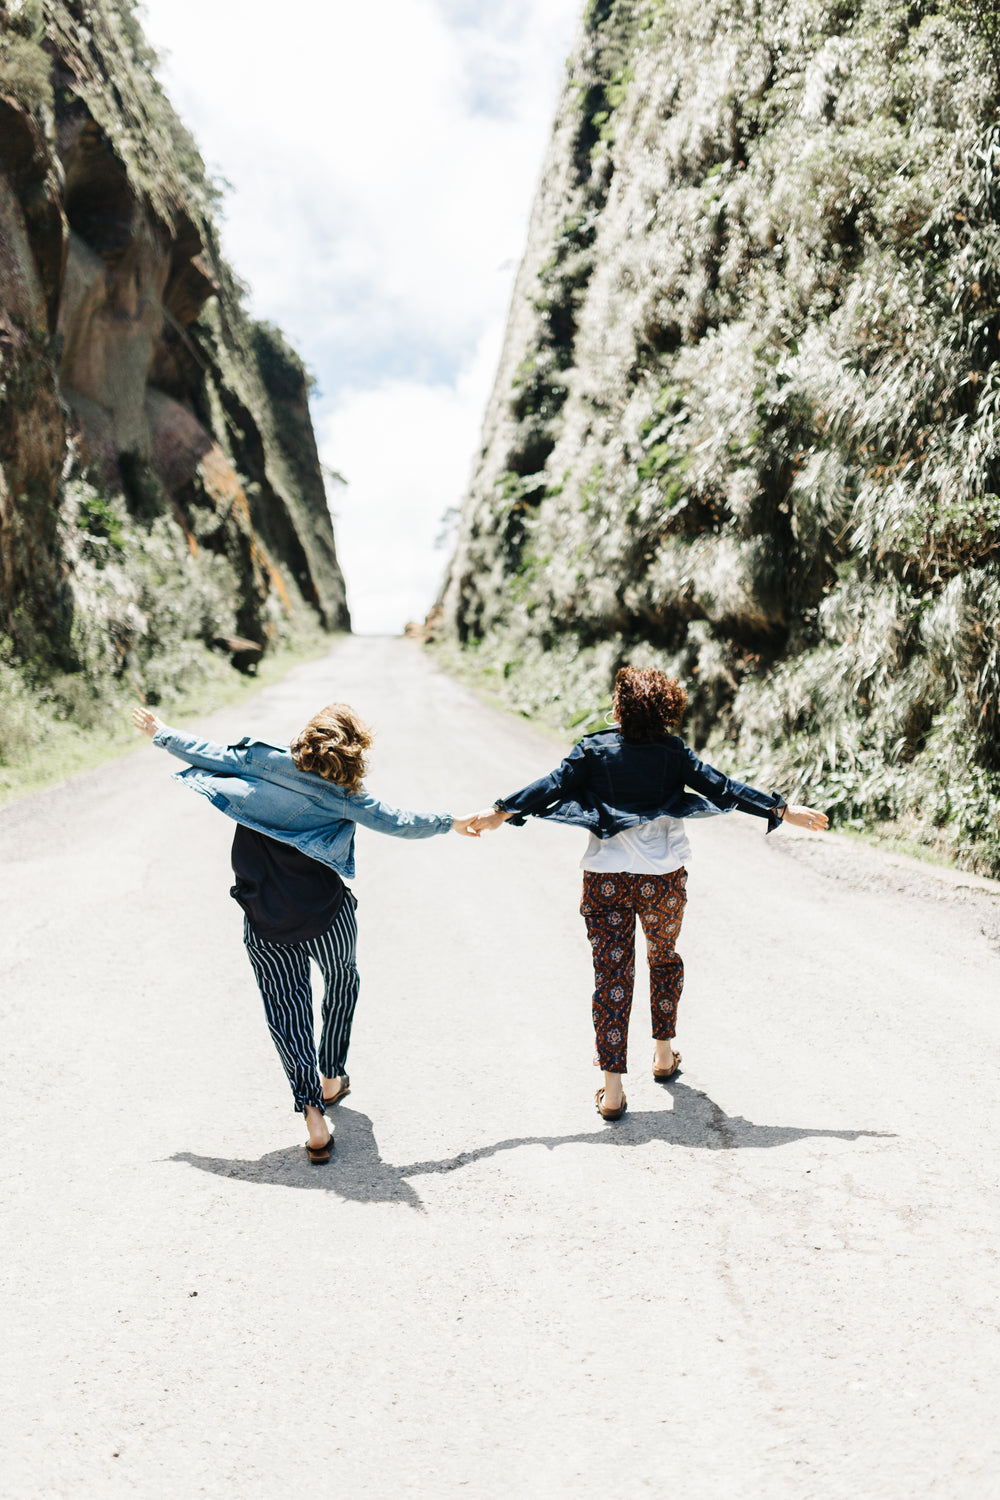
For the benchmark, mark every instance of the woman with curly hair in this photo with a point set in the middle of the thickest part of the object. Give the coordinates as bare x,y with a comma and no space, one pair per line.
631,787
296,809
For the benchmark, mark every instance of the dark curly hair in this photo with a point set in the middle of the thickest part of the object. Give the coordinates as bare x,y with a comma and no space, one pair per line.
647,703
333,745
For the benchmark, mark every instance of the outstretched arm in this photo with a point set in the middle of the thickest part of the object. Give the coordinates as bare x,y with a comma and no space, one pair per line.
534,798
205,754
146,721
725,792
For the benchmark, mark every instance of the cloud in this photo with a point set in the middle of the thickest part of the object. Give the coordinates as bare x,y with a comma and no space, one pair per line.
406,450
382,161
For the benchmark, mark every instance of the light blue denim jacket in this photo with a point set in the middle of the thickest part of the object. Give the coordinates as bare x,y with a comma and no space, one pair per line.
260,786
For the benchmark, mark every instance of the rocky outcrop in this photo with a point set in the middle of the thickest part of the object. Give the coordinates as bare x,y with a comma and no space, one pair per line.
159,480
746,420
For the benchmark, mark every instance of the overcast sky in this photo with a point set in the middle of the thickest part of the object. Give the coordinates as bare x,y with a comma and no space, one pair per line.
382,159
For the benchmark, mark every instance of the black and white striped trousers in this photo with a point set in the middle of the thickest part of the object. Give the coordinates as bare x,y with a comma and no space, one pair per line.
282,971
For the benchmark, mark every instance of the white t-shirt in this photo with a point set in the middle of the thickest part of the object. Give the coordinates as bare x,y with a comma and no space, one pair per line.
653,848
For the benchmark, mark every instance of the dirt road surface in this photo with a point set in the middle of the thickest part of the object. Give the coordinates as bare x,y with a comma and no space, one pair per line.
776,1277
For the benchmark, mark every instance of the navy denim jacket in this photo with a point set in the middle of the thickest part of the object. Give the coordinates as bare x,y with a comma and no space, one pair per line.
260,786
607,784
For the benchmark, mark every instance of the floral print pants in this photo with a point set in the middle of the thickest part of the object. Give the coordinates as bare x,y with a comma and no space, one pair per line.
611,902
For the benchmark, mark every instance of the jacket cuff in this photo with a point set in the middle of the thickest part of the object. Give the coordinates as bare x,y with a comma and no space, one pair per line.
518,819
774,816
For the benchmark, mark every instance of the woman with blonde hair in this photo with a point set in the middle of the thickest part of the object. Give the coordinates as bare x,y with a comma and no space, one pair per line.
631,787
296,810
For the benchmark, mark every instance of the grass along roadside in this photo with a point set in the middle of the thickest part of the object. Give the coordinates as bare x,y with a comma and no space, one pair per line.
45,738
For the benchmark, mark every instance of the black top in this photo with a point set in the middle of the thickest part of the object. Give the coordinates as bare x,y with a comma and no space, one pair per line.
287,896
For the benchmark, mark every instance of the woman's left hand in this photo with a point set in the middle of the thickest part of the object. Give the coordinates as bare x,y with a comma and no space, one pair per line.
805,817
464,826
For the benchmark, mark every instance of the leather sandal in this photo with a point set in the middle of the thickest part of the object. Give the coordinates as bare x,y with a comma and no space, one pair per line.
660,1075
609,1114
320,1154
343,1093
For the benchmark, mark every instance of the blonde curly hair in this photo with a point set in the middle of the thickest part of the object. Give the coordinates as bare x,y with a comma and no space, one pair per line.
334,745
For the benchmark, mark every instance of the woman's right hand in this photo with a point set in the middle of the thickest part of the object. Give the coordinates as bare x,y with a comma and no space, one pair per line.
147,722
805,817
465,827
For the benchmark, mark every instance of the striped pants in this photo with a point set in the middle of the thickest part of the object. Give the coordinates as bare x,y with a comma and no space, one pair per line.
282,971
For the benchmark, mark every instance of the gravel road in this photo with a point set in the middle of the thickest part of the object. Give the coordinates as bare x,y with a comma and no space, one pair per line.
776,1277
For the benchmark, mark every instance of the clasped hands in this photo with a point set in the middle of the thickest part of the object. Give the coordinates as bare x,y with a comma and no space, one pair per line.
480,822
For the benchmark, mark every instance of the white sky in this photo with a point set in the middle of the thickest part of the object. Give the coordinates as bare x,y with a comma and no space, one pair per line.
382,161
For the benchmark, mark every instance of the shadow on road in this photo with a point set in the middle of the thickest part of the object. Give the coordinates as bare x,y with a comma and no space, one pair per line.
357,1171
695,1120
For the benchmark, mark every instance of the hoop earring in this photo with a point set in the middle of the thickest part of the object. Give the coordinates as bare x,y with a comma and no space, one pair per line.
610,720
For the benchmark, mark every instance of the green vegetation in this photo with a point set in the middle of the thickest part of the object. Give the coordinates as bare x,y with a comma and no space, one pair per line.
57,727
782,362
145,606
54,730
25,67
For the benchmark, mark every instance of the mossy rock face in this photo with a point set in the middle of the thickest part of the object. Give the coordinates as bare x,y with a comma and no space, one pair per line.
745,423
159,480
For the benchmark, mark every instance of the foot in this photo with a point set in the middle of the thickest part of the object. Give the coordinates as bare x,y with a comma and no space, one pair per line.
319,1130
665,1060
334,1089
613,1091
608,1111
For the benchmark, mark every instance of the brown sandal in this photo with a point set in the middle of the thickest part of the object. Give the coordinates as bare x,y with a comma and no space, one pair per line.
336,1098
320,1154
609,1114
660,1075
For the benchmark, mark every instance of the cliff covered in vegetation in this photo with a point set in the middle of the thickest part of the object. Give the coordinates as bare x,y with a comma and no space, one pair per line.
160,488
747,420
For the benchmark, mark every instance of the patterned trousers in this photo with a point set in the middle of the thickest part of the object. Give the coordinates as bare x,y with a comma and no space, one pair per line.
282,971
611,902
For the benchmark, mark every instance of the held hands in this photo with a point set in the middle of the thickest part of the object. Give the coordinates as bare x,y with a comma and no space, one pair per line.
488,819
481,822
805,817
147,722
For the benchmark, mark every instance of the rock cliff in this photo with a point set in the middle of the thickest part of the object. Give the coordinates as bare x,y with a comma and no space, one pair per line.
746,424
159,480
